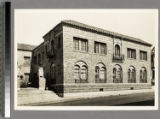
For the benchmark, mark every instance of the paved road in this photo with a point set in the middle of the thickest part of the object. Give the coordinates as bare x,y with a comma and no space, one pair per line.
145,99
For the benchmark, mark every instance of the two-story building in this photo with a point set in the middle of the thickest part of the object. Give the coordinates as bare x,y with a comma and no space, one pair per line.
24,58
77,57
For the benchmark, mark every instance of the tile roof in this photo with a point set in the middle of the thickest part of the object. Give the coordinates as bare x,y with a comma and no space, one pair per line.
26,47
106,32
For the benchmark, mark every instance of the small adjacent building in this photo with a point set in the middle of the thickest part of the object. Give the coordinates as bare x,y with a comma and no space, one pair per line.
76,57
24,57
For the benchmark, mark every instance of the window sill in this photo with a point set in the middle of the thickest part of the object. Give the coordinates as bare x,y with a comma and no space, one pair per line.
143,60
131,58
81,51
100,54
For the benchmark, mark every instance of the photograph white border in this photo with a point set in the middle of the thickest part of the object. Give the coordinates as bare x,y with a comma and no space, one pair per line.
88,108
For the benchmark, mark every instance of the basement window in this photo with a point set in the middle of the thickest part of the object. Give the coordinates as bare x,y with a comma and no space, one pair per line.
101,89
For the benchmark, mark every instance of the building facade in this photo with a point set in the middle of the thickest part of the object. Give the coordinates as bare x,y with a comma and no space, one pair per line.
24,57
153,65
77,57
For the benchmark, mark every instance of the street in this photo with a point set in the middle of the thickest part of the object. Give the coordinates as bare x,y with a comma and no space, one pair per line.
138,99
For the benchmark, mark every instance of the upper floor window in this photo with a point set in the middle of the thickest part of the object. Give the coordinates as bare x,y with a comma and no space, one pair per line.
99,47
131,53
59,41
35,59
143,55
80,44
39,59
27,60
27,57
52,46
117,50
76,44
84,45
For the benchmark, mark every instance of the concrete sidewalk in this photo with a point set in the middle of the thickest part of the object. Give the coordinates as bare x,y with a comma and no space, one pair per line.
47,97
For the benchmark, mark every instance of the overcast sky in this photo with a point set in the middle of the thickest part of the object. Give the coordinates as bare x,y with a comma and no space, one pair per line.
31,25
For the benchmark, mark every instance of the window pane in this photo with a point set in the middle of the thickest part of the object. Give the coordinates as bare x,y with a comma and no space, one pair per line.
84,73
76,72
103,49
96,47
76,44
102,74
117,50
84,45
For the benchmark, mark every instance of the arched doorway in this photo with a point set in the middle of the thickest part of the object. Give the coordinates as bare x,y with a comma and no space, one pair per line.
117,74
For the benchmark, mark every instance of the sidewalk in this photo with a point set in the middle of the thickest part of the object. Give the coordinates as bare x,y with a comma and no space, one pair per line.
27,97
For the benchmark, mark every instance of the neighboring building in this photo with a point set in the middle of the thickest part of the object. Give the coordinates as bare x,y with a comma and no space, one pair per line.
153,65
24,57
80,58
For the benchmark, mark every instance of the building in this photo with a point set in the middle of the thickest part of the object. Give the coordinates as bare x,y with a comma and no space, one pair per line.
153,65
76,57
24,57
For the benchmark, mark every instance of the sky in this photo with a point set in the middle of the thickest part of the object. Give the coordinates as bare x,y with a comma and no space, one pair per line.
32,24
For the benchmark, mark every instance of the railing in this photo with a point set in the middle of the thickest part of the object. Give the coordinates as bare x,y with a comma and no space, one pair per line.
118,58
81,81
51,54
100,81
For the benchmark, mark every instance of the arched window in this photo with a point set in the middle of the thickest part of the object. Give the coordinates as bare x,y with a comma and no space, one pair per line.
84,73
100,73
131,75
143,75
117,74
80,72
117,50
76,72
97,72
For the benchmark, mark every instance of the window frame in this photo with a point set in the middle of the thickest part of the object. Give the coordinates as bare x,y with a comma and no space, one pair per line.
131,53
100,48
143,55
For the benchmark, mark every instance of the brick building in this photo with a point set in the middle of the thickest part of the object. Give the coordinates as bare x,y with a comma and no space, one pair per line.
24,56
76,57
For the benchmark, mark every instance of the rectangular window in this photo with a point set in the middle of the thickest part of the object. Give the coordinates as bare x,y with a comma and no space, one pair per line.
84,45
35,59
103,48
27,57
75,44
131,53
143,55
99,47
27,60
96,47
80,44
59,41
